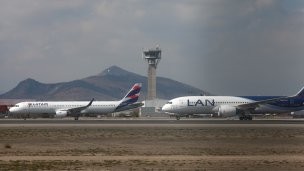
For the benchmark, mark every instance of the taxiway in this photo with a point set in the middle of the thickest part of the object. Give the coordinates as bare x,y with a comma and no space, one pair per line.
150,121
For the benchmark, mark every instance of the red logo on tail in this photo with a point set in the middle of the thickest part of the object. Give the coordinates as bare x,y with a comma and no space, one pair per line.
135,87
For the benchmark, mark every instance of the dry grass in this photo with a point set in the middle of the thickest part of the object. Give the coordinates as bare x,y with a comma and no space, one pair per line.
156,133
216,142
173,165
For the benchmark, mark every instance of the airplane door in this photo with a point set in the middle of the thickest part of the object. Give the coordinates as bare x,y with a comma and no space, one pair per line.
291,102
181,103
26,108
50,107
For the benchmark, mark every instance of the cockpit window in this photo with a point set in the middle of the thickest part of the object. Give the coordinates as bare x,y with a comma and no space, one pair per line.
169,103
16,106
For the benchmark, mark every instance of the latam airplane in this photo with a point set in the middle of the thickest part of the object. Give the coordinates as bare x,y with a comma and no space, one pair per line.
228,106
65,108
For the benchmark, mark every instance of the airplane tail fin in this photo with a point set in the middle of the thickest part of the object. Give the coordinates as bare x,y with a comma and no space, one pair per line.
300,93
131,97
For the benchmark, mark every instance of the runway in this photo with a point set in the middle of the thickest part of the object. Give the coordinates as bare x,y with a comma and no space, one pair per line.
150,122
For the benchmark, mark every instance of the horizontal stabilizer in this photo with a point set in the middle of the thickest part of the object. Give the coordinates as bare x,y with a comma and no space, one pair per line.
130,106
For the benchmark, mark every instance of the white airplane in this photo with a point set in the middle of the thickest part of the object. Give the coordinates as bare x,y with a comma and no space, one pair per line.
65,108
229,106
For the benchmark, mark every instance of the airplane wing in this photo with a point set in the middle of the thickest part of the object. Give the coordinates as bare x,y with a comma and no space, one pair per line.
78,109
253,105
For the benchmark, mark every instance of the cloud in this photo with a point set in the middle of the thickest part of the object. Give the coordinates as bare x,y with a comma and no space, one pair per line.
228,47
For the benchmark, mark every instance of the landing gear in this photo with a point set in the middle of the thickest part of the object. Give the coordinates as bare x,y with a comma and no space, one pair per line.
76,118
24,117
245,118
177,117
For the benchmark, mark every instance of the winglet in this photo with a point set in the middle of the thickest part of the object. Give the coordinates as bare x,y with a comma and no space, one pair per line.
90,102
300,93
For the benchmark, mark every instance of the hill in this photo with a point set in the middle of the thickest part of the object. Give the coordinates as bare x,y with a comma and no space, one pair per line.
111,84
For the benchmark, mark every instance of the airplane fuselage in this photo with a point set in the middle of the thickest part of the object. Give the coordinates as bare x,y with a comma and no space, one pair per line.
211,104
53,107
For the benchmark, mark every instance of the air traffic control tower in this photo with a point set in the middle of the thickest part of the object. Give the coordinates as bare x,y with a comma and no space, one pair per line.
152,58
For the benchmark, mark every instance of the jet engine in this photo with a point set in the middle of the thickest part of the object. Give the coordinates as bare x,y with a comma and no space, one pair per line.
226,111
61,114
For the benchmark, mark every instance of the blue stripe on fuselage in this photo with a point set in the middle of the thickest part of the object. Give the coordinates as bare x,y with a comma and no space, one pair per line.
296,105
255,98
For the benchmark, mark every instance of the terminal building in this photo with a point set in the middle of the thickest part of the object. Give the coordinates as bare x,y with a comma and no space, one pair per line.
148,109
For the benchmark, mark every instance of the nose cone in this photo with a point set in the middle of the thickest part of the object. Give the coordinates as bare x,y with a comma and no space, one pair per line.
166,108
11,110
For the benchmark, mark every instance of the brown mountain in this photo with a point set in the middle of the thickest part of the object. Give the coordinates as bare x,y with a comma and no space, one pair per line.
111,84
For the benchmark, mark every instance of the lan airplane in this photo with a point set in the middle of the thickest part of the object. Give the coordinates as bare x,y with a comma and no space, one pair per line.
65,108
229,106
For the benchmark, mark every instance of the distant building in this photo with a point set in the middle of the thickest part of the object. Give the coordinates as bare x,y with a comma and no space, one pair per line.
300,112
148,109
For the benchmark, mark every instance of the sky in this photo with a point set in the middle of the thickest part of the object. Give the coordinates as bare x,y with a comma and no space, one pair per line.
224,47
